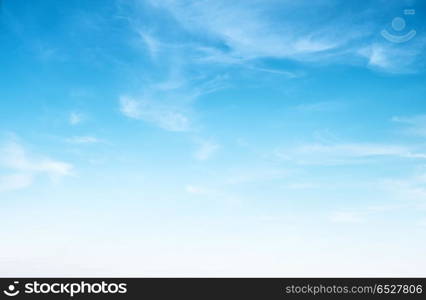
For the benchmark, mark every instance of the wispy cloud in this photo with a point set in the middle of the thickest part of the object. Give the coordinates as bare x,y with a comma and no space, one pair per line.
347,217
197,190
415,125
83,140
154,112
252,31
346,153
407,189
206,149
23,167
209,193
254,174
168,103
376,56
323,106
152,44
392,58
75,118
15,182
241,33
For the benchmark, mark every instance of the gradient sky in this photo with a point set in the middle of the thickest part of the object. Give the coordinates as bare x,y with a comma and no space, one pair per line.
212,138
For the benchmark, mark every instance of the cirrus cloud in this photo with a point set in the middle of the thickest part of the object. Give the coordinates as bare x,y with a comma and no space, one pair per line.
21,168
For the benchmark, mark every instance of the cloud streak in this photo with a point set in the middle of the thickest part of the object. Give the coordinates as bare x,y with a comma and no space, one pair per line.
15,182
414,125
75,118
346,153
241,33
23,168
162,115
83,140
206,149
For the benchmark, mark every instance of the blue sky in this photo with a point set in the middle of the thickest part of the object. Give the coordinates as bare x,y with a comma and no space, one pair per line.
212,138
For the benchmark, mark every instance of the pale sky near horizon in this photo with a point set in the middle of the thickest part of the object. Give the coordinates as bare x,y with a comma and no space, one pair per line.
212,138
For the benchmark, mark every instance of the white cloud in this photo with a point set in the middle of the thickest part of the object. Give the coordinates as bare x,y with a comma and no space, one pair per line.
15,157
206,149
212,194
197,190
355,150
310,44
377,56
416,125
323,106
392,58
130,108
411,189
75,118
83,140
303,186
24,167
168,103
254,174
252,30
347,217
346,153
241,32
164,116
52,167
15,182
151,43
